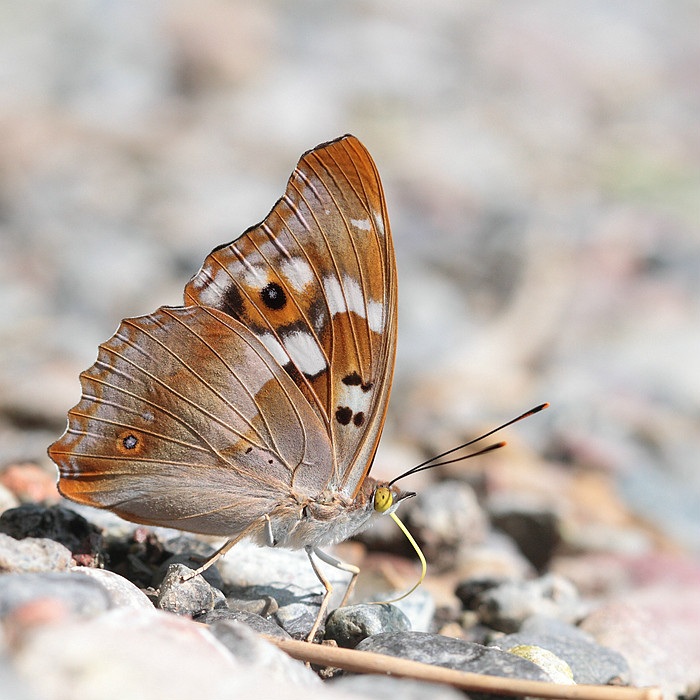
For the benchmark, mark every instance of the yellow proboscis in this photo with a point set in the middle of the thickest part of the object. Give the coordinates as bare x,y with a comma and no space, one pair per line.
415,546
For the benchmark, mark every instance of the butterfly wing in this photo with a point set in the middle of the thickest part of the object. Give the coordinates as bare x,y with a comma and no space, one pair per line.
316,283
188,421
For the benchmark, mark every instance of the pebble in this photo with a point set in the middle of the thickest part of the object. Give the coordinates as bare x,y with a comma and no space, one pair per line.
557,669
122,592
496,557
507,605
655,628
187,596
221,617
590,663
81,595
452,653
445,517
533,527
286,576
33,554
348,626
257,654
129,653
53,522
211,574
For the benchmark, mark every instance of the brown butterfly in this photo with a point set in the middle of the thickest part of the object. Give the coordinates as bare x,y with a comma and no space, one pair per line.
256,409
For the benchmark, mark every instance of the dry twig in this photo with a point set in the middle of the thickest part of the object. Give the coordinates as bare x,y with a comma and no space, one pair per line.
369,662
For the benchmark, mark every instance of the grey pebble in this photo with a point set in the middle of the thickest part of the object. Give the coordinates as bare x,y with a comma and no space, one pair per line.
80,594
506,606
122,592
452,653
590,662
348,626
256,653
33,554
219,619
191,561
184,596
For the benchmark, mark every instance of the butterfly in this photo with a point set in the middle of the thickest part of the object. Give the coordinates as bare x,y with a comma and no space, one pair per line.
256,408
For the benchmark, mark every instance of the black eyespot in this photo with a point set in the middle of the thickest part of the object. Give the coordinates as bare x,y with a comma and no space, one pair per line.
273,296
130,442
249,450
358,419
343,415
269,461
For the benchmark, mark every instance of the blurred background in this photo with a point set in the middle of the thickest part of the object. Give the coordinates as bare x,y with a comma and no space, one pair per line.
540,162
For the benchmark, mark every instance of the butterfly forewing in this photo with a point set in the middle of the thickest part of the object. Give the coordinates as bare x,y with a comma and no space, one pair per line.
316,283
187,420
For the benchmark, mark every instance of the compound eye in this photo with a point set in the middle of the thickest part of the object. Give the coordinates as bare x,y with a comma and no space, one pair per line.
382,499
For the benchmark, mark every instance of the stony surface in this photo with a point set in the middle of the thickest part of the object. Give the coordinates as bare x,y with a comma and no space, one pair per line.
452,653
33,554
184,594
590,662
81,595
56,523
507,605
348,626
221,618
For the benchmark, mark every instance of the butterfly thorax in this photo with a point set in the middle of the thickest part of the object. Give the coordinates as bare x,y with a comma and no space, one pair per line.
326,519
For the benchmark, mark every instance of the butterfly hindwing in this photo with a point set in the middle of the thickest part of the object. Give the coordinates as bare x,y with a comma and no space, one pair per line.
187,420
316,283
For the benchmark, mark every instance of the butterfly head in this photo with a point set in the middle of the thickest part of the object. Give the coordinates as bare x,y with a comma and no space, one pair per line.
388,497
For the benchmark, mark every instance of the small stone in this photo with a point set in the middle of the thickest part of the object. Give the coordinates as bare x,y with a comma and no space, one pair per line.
255,622
507,605
419,608
590,663
452,653
557,669
7,499
249,649
348,626
263,606
122,593
445,517
53,522
80,594
191,561
534,527
497,557
187,596
33,554
30,483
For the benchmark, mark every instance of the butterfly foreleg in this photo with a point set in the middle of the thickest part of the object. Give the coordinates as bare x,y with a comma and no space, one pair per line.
343,566
222,550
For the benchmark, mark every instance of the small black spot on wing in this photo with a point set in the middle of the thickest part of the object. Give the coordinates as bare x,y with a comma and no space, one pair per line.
343,415
354,379
358,419
232,302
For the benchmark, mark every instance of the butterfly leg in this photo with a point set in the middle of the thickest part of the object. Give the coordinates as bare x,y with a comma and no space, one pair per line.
343,566
220,552
338,564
